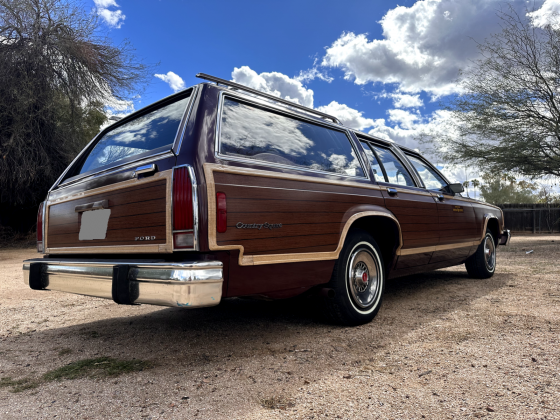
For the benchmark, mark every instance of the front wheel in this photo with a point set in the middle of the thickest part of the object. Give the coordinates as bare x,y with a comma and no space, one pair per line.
482,264
358,281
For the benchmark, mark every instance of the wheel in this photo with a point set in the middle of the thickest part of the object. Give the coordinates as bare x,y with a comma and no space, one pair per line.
482,264
358,281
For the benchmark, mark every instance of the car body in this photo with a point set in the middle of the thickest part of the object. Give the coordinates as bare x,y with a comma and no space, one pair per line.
222,191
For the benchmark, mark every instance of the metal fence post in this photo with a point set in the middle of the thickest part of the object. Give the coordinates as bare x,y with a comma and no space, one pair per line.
534,220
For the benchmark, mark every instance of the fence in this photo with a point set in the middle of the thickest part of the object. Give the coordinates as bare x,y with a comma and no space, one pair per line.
533,218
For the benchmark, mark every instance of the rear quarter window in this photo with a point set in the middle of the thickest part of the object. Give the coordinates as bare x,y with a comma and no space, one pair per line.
251,132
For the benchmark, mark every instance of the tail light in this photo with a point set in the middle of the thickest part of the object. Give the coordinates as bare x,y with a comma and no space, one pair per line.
183,217
40,247
221,212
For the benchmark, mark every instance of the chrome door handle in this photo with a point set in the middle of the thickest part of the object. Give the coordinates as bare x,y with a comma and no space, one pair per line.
97,205
440,197
146,169
392,191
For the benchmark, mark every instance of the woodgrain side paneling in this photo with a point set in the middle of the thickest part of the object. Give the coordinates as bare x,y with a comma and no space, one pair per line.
315,213
139,207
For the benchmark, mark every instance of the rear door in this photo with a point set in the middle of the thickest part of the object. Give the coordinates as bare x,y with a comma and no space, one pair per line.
116,196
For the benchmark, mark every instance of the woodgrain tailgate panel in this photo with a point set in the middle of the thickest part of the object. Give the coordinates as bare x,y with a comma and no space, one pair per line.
139,208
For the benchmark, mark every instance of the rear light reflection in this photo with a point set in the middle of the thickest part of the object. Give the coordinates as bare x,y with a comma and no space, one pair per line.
221,212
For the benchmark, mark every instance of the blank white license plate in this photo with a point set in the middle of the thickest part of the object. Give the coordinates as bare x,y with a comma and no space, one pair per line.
94,224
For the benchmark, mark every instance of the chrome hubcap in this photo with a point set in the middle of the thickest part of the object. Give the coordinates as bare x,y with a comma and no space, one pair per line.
363,277
489,253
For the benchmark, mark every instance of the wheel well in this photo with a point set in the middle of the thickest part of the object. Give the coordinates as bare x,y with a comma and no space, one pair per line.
494,228
385,232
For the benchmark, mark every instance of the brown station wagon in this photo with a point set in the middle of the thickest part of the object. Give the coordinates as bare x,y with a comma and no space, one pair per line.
221,191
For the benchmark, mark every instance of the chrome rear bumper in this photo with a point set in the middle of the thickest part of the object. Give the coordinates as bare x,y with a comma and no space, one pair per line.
505,237
186,284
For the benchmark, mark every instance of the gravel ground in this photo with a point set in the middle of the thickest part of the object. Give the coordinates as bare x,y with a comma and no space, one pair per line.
442,346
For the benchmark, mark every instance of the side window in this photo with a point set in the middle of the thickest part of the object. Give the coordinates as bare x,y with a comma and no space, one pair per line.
377,171
396,172
254,133
432,180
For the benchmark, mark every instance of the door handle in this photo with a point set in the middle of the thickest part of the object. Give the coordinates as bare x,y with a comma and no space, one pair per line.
440,197
392,191
146,169
104,204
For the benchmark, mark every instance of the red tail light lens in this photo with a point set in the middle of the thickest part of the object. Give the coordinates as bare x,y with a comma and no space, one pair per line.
182,200
221,212
40,228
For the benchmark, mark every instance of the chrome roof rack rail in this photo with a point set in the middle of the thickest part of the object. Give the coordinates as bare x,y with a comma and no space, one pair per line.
266,95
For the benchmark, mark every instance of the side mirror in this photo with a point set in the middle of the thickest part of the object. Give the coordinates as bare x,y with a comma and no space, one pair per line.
455,188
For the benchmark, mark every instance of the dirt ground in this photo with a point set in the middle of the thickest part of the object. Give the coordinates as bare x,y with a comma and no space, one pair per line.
442,346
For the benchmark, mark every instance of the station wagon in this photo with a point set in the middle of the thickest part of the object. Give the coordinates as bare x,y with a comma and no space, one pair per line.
223,191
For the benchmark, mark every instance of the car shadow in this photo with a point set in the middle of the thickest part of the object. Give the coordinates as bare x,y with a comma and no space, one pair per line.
239,328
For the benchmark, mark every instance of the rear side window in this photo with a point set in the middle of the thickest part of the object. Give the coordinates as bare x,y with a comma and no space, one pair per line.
150,132
254,133
395,170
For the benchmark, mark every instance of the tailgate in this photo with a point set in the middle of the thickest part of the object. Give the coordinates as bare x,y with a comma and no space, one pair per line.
129,216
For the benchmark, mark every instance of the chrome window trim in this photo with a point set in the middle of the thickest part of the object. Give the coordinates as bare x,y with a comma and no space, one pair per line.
194,189
417,180
146,159
398,154
287,113
183,127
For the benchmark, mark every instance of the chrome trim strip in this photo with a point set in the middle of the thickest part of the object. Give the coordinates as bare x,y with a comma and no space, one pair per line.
217,80
426,249
194,189
179,142
241,97
147,159
189,284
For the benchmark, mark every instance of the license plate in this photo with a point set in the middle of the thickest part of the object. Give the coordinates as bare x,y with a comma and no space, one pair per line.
94,224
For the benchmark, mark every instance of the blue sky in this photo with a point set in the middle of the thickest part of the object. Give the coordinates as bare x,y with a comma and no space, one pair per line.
380,66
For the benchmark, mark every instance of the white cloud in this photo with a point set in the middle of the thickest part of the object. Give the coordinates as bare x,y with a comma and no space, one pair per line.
175,82
423,47
404,119
274,83
348,116
547,15
311,74
401,100
113,18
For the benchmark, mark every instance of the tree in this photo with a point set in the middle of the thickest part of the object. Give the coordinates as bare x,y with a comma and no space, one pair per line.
508,118
56,71
505,189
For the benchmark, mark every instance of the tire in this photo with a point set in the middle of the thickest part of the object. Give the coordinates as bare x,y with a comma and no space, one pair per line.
482,264
357,291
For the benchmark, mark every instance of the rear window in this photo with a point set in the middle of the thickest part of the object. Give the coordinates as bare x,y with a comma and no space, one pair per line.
254,133
147,133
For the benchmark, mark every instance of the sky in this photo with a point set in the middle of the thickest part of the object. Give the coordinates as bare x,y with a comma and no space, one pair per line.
381,67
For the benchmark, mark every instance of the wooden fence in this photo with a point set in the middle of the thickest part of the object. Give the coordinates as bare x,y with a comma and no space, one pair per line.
531,218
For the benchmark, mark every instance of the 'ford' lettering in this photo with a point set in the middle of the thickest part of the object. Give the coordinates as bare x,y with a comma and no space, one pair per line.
259,226
144,238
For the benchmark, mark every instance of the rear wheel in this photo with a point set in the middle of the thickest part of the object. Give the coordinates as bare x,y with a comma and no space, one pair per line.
482,264
358,281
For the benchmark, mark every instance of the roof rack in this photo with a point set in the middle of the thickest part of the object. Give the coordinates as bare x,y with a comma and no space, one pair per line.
266,95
